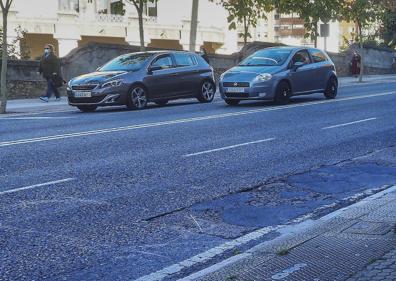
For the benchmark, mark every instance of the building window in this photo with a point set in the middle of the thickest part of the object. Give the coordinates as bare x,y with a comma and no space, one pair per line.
68,5
151,9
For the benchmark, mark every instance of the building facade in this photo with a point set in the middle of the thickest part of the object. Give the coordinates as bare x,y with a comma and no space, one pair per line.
68,24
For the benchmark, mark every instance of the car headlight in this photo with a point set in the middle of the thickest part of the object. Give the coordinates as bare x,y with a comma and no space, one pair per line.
69,87
114,83
263,77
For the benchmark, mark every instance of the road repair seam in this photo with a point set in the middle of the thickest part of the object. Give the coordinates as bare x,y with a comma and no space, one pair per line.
284,229
180,121
350,123
35,185
228,147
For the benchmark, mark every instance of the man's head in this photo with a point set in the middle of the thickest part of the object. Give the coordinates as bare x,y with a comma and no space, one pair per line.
48,48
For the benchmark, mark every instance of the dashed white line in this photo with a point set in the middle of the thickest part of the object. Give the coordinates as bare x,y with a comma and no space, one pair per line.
350,123
35,186
228,147
181,121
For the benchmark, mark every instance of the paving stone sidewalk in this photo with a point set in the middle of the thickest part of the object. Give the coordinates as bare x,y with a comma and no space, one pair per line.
382,269
354,243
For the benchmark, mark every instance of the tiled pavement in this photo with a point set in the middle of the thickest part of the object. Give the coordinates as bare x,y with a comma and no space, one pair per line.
383,269
354,243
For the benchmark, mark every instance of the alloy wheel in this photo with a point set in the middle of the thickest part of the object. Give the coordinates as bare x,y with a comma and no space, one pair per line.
207,92
138,98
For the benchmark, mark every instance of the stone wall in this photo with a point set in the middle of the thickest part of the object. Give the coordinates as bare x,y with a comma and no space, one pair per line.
24,81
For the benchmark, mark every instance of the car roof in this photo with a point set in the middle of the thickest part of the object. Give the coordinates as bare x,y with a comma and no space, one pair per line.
164,52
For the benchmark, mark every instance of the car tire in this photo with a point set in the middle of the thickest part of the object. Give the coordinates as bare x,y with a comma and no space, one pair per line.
161,102
137,98
232,102
283,93
207,92
87,108
331,88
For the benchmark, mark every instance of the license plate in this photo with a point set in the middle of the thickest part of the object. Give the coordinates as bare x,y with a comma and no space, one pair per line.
235,90
82,94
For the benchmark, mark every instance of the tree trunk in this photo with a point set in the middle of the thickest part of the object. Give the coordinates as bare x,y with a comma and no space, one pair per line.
141,30
245,31
361,52
194,25
316,35
3,81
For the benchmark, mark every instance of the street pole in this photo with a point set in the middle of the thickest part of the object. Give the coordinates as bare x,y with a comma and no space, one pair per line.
194,25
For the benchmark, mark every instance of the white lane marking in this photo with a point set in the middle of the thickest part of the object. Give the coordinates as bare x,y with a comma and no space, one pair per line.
180,121
35,113
350,123
35,118
36,185
228,147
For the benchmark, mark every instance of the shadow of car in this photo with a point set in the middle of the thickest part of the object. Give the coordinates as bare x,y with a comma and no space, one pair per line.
139,78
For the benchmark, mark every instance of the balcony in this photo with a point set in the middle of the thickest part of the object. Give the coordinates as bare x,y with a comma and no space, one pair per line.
296,32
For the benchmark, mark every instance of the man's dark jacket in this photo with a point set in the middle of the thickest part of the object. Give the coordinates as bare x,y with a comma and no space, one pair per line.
49,65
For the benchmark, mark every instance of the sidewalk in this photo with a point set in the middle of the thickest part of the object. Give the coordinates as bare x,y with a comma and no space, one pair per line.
36,105
355,243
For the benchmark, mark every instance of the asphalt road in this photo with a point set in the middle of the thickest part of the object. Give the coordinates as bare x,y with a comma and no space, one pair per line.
103,196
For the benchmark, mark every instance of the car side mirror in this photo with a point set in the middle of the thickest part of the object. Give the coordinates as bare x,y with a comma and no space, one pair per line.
297,65
154,68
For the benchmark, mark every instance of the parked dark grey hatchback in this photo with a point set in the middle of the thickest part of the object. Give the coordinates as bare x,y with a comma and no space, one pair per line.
138,78
279,73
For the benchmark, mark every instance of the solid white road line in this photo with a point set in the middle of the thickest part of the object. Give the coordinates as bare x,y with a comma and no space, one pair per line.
36,185
35,118
350,123
228,147
180,121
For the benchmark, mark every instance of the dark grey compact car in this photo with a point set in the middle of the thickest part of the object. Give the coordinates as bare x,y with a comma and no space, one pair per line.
279,73
138,78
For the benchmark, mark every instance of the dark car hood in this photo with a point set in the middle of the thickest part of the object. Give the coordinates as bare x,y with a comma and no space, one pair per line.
249,72
96,77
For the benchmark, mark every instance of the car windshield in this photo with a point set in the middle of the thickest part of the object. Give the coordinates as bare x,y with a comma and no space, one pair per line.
269,57
130,62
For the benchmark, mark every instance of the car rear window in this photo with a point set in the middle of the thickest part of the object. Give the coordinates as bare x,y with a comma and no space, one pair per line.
184,60
318,56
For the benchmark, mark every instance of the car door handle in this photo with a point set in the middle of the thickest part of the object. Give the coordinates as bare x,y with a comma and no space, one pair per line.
175,74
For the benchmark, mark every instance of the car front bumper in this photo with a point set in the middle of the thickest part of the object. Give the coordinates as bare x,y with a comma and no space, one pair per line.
99,97
259,91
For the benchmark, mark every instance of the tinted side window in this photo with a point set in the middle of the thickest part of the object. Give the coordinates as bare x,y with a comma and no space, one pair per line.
301,56
318,56
184,60
163,62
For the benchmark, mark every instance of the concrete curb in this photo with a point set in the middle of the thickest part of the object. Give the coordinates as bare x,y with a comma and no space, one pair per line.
304,232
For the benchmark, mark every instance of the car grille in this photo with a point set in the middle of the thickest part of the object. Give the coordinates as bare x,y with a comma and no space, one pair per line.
237,95
236,84
86,100
87,87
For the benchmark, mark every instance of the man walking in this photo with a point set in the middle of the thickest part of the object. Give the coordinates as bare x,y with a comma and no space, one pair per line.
50,68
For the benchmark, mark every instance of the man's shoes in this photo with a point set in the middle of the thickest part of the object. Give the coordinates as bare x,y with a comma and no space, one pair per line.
44,99
58,99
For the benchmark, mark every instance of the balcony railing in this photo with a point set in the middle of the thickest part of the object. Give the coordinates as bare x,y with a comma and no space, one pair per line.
109,18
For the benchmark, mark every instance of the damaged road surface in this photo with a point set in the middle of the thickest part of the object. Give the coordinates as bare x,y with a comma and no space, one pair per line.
122,195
